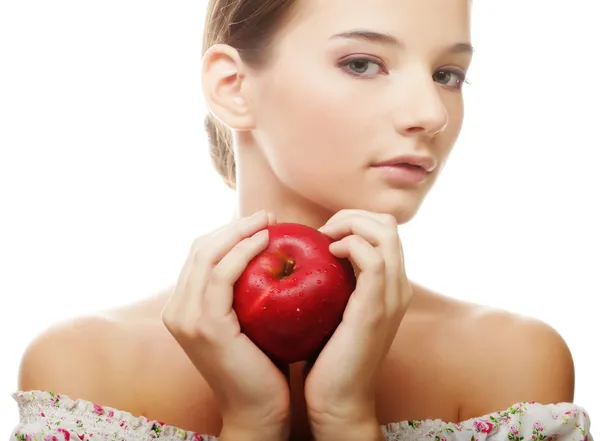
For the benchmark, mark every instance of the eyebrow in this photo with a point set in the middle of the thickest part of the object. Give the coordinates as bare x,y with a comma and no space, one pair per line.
389,39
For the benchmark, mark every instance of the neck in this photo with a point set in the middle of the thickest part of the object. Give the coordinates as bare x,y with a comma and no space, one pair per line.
259,189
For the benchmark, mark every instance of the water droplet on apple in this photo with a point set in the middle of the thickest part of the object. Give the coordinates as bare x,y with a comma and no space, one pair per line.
319,282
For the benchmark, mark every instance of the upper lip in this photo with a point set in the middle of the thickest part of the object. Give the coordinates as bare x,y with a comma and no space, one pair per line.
427,163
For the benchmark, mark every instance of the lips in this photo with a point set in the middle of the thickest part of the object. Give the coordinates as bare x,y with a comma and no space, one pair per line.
426,163
404,164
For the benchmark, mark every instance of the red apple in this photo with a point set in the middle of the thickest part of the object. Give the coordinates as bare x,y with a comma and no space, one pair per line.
292,296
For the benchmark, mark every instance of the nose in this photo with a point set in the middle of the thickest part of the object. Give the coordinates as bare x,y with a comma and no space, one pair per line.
420,110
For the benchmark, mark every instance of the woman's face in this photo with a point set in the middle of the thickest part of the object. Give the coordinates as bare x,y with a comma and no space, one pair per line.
356,84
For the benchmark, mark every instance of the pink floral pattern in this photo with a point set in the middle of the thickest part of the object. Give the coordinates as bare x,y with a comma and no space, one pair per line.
48,416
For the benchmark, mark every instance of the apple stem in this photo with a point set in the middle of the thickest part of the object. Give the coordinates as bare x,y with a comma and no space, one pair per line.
288,267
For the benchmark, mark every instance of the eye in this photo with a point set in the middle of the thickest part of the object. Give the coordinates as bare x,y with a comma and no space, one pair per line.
451,78
362,67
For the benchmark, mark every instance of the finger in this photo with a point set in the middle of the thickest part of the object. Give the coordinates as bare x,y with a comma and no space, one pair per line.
385,218
383,226
187,296
349,224
361,252
223,240
271,216
372,268
218,296
387,241
374,231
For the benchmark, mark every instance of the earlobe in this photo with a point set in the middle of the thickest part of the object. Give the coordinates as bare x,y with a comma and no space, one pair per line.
222,83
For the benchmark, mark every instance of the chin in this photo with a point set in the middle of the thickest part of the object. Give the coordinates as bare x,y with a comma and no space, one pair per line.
403,216
403,207
403,212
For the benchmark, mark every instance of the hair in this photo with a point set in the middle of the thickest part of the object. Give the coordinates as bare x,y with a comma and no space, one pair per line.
249,26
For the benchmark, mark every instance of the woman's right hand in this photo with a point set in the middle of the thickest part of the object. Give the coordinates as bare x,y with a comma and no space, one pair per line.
252,392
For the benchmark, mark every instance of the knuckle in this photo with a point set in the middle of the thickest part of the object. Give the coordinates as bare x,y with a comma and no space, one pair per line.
393,262
376,263
219,276
391,235
197,244
187,330
389,220
244,245
340,215
205,331
199,329
198,250
352,240
190,330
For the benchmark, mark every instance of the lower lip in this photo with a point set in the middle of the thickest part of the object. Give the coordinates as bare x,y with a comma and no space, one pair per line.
403,174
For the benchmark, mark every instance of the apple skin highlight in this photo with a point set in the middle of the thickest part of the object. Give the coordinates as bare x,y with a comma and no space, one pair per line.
291,297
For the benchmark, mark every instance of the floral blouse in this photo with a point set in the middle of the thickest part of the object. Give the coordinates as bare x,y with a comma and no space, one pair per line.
48,416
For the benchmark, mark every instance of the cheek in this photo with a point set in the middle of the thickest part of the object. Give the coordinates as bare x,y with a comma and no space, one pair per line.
309,126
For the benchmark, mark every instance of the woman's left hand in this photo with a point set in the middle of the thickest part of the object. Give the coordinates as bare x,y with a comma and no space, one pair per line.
340,386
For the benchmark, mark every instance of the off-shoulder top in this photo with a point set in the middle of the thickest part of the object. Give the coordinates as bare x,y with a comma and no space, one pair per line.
49,416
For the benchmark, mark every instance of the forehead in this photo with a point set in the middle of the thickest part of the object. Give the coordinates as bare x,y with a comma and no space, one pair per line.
413,21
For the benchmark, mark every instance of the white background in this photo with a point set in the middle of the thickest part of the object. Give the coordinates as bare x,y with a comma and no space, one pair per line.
105,178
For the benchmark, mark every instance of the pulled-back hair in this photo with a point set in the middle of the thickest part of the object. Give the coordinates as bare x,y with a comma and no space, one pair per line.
248,26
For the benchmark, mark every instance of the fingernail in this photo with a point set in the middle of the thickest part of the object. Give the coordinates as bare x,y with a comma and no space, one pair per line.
258,213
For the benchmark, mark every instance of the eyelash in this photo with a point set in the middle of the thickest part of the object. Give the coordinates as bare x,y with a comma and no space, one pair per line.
344,64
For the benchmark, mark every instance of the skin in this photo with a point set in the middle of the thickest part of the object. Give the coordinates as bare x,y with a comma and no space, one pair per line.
400,106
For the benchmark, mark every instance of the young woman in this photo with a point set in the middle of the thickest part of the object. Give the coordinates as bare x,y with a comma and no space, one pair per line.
339,115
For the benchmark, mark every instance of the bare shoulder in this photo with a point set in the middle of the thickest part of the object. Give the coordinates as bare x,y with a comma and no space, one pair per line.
508,358
93,358
492,358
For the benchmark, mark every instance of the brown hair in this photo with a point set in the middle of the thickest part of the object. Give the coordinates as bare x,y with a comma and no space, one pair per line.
248,26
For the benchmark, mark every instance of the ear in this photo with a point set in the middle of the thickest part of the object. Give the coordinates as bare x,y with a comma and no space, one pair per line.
223,84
